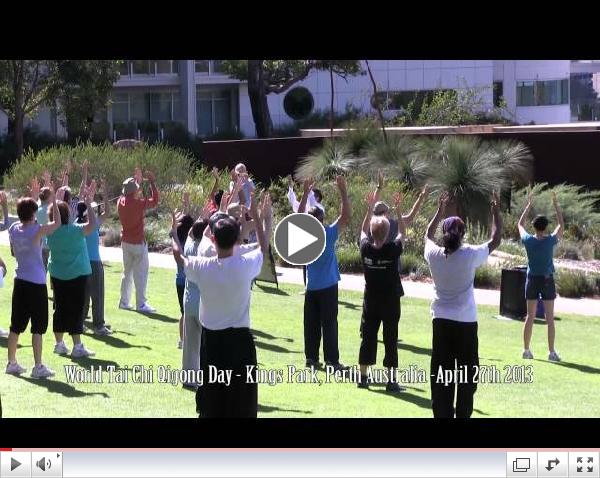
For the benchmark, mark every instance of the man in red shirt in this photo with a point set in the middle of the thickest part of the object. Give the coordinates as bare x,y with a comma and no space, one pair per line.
132,207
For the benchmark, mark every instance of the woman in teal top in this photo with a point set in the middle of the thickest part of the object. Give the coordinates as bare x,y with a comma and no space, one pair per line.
69,267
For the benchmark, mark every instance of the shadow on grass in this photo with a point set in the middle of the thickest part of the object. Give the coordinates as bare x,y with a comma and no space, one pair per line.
4,343
274,348
407,397
574,366
350,305
62,388
155,316
376,386
264,335
479,412
89,362
270,409
271,290
118,343
414,349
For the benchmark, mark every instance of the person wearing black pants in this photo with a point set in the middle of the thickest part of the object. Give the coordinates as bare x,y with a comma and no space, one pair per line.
322,277
381,303
455,347
320,314
454,355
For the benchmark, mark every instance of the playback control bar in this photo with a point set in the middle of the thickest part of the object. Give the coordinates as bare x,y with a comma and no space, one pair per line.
299,463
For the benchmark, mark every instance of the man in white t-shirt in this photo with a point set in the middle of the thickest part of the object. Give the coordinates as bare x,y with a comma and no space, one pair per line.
227,346
315,197
454,312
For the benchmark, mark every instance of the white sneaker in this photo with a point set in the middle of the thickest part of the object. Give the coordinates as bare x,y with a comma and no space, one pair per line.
527,354
147,308
41,371
61,348
3,333
180,344
79,351
15,369
102,331
125,306
554,357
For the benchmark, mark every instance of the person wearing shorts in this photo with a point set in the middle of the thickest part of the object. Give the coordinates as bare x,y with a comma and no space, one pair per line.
69,267
540,274
30,294
184,225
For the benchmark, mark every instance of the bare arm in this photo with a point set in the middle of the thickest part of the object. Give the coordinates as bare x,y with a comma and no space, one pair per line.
559,217
408,219
3,266
92,223
364,231
380,183
152,201
263,228
432,227
84,178
401,221
213,191
177,249
346,212
496,224
521,223
308,185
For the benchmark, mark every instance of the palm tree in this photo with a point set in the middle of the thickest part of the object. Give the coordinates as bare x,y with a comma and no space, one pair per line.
325,163
398,158
466,169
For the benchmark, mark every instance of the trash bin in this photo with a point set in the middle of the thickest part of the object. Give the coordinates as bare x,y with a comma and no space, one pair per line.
512,293
540,311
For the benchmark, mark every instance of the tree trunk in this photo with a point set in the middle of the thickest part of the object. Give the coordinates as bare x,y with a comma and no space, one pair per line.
18,129
258,99
379,112
331,105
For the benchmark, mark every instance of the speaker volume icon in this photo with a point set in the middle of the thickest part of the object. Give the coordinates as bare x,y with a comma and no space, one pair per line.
43,464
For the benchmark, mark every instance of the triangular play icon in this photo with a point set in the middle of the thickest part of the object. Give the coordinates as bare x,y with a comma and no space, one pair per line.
298,239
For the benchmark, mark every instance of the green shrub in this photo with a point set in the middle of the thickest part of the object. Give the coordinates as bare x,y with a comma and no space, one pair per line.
171,166
410,263
509,246
575,250
487,277
348,257
574,283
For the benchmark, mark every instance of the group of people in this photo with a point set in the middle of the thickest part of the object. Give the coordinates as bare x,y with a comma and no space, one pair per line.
220,253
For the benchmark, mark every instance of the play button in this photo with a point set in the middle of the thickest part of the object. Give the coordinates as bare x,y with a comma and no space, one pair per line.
299,239
14,464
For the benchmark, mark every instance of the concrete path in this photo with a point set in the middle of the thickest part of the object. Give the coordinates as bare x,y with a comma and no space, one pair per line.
420,290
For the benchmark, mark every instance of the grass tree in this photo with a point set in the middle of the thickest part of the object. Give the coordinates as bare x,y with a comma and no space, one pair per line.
325,163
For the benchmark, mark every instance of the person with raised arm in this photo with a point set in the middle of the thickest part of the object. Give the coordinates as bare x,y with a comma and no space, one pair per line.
5,215
242,195
381,302
94,291
540,273
454,311
30,293
45,199
132,208
322,277
69,268
315,197
225,283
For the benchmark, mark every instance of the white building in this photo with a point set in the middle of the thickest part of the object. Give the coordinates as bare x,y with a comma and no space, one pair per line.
152,96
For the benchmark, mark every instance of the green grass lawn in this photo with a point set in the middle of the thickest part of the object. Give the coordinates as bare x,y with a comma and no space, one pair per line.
569,389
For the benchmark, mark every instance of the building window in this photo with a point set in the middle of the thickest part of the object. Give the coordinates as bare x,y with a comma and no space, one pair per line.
147,106
298,103
149,67
543,93
498,93
216,111
209,67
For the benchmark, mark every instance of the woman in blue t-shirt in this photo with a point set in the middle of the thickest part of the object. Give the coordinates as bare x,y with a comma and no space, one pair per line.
540,273
69,267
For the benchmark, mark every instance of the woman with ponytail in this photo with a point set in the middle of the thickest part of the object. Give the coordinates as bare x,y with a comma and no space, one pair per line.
455,345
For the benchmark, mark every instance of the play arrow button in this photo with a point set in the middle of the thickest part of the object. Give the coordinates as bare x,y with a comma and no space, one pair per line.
14,464
299,239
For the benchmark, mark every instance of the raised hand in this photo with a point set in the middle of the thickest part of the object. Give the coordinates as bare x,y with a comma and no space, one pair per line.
91,190
151,177
47,179
380,179
371,199
309,183
3,198
554,199
174,220
340,181
137,175
425,190
60,194
206,210
443,200
290,181
34,188
397,199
